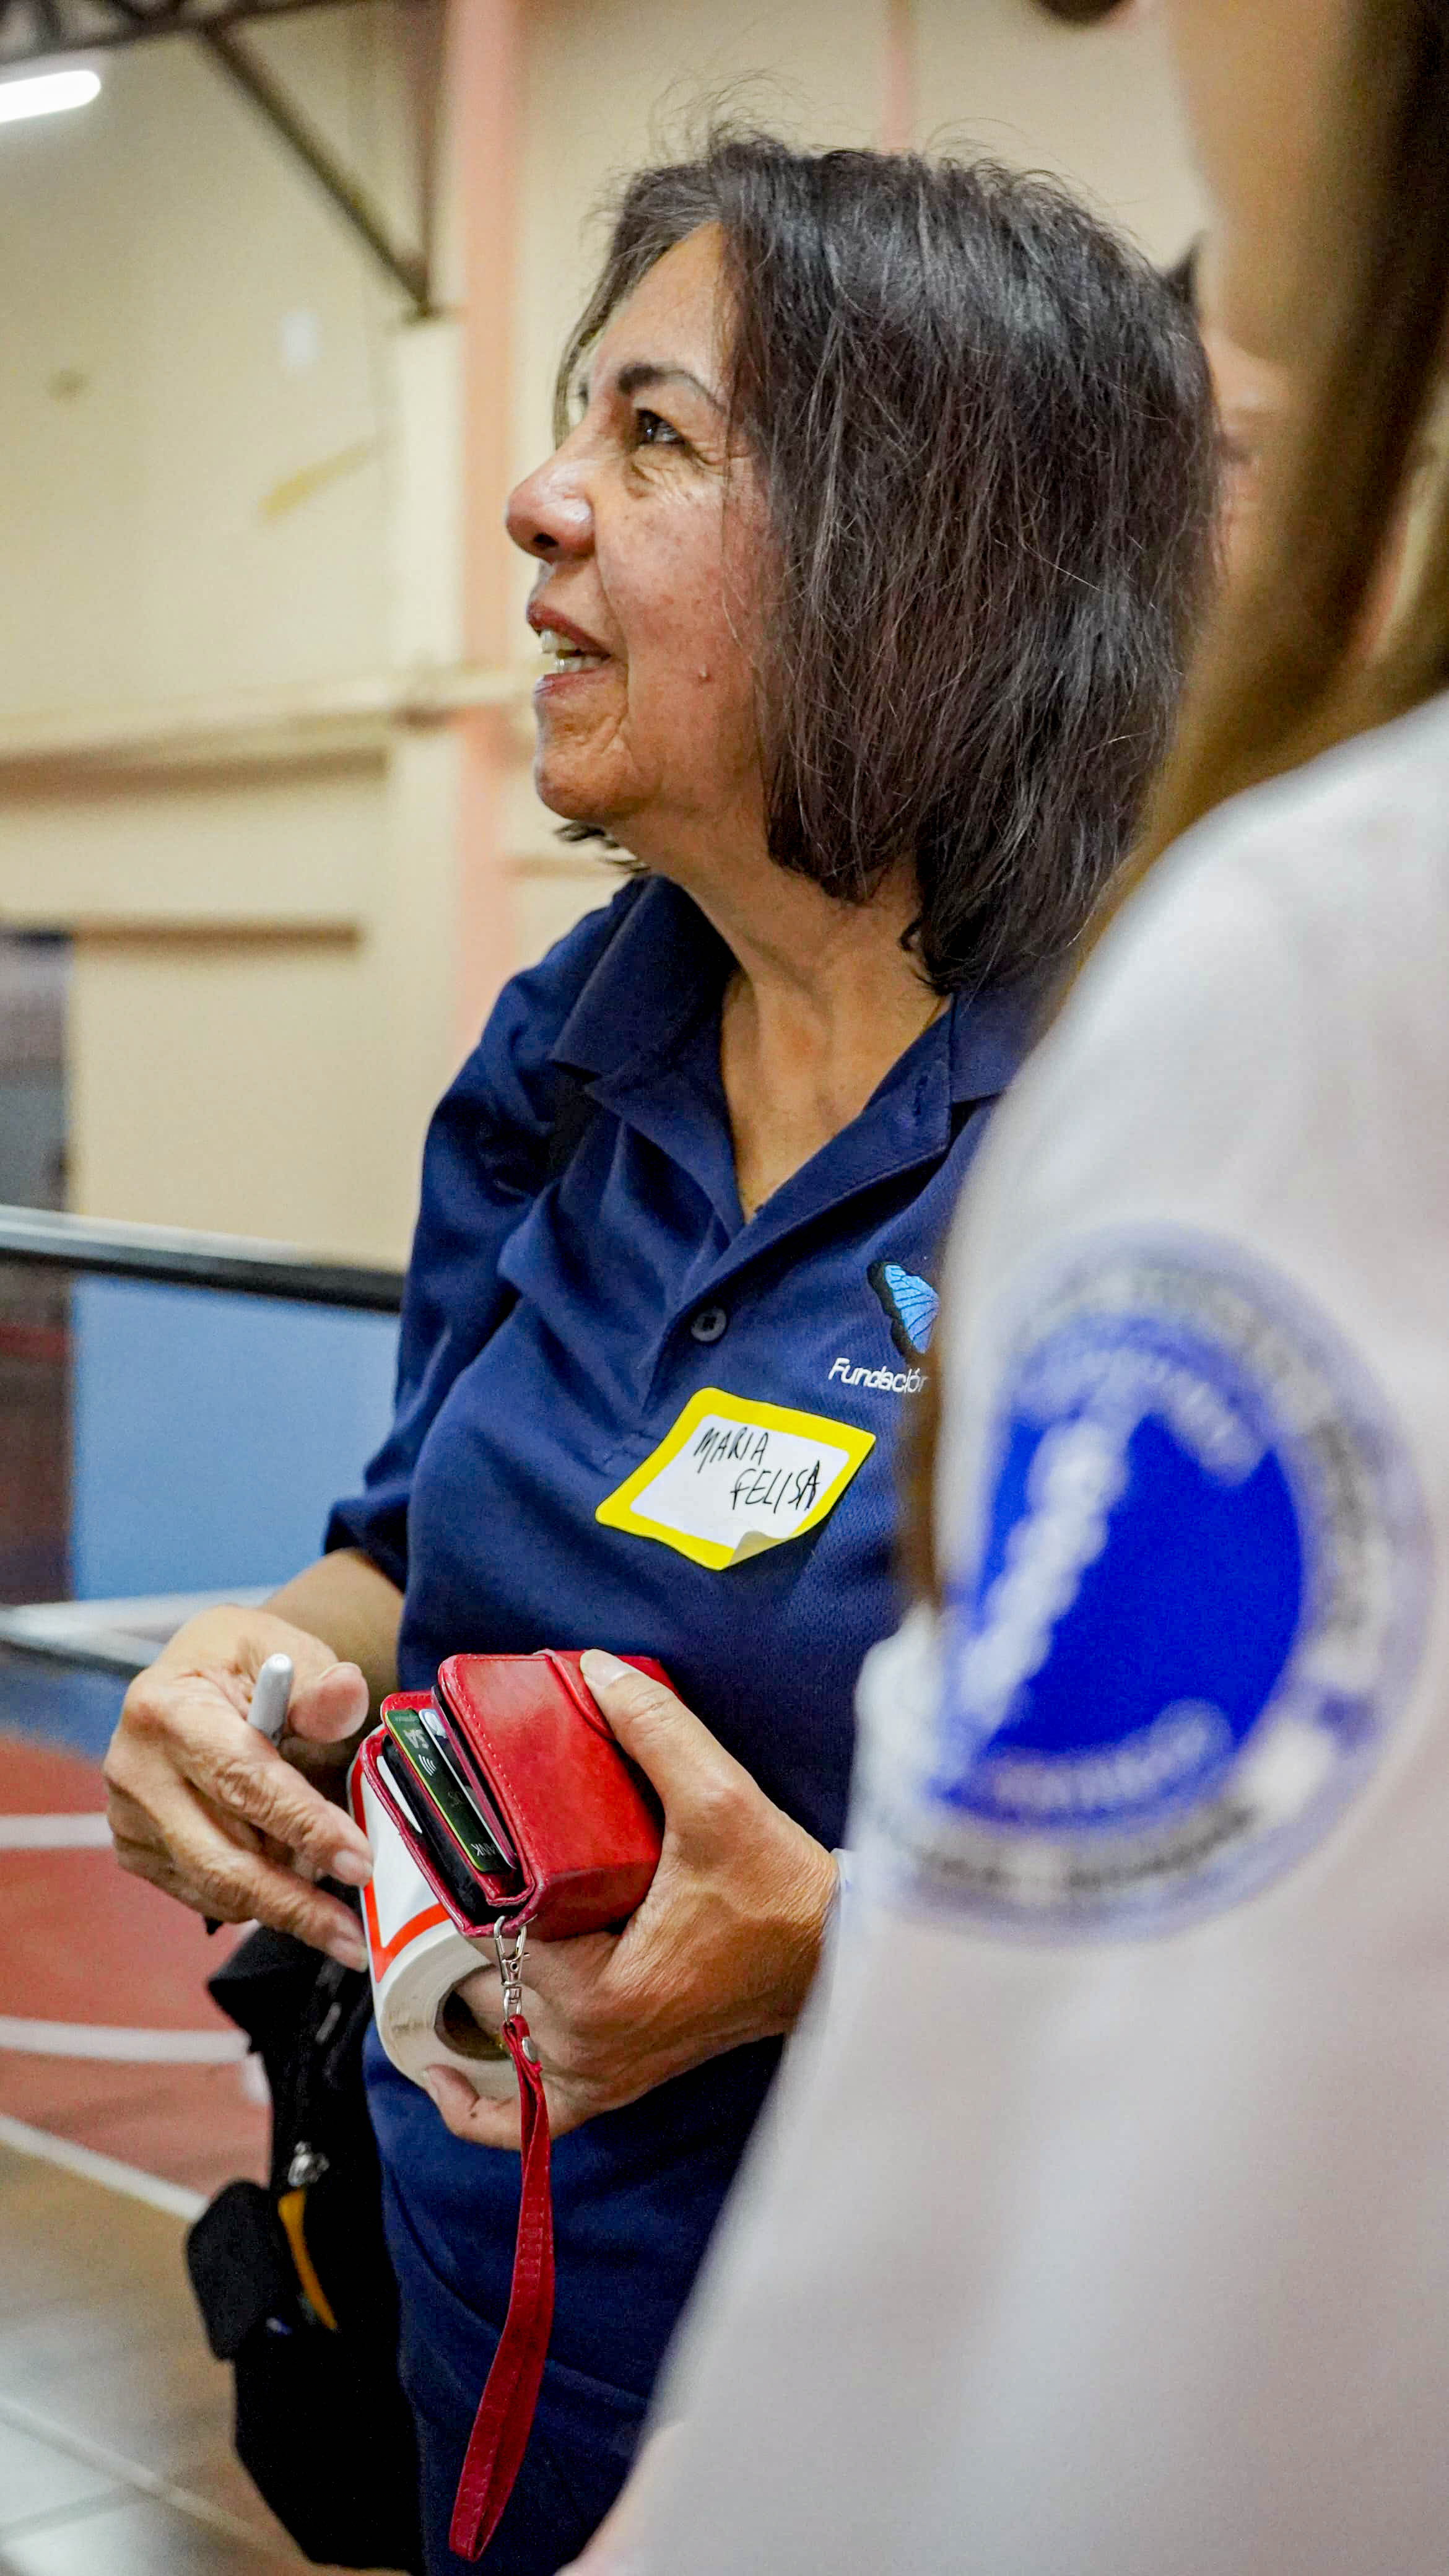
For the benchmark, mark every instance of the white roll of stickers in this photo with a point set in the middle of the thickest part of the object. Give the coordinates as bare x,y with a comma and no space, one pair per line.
417,1957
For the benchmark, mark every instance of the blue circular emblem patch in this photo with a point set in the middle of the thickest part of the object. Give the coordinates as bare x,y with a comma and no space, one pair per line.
1193,1606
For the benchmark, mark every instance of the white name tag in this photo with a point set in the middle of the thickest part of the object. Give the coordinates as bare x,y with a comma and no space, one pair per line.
733,1477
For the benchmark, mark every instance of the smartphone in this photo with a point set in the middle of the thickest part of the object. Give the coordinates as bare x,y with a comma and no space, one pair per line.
446,1798
458,1880
458,1755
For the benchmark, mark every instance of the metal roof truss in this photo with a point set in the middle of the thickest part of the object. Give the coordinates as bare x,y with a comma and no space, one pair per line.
46,31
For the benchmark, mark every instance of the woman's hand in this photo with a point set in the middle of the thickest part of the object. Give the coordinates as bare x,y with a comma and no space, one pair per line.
722,1949
204,1807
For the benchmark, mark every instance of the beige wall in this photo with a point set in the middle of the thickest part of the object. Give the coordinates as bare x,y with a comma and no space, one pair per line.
150,421
204,494
1094,105
196,420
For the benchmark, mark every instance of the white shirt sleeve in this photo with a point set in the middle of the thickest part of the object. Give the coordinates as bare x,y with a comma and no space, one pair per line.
1103,2227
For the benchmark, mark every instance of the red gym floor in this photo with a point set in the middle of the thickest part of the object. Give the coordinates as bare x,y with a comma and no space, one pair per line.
116,1967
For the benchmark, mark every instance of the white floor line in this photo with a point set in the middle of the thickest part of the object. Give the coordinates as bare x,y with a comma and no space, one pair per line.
106,2170
114,2464
120,2047
86,1831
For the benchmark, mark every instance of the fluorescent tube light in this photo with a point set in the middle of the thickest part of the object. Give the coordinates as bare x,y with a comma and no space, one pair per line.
47,94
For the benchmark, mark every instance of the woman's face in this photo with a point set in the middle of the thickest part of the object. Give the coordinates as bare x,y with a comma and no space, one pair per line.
648,530
1255,75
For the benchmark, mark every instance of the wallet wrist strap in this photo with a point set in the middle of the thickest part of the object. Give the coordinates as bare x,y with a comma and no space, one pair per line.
505,2410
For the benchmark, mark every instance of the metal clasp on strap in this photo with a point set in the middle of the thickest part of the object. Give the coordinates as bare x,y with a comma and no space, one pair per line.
510,1970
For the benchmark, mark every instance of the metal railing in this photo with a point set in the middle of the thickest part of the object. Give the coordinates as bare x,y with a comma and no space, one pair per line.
62,1398
174,1256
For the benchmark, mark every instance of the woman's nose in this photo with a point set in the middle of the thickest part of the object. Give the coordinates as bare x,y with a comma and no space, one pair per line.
549,513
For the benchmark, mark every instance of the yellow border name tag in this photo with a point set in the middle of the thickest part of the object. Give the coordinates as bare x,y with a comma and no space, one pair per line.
734,1477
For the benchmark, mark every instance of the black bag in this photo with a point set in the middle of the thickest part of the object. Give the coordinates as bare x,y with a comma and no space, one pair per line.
294,2282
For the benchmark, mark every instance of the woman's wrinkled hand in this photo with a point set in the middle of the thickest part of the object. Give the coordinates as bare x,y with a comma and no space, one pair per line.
204,1807
722,1950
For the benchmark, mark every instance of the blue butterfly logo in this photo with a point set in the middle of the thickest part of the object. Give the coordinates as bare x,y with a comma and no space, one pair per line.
911,1305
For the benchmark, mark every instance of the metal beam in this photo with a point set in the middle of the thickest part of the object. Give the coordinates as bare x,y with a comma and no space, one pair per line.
47,30
407,268
43,30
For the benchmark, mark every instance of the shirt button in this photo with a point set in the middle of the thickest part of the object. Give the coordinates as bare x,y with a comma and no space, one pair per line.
709,1323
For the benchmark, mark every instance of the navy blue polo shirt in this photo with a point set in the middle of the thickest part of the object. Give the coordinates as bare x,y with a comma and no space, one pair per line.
554,1331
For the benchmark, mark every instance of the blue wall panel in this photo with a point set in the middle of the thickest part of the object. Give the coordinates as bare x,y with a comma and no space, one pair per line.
211,1432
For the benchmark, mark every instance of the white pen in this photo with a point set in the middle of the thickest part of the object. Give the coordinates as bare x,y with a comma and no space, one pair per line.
271,1691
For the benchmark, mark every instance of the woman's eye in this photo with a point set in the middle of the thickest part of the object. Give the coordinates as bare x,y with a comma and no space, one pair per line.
651,431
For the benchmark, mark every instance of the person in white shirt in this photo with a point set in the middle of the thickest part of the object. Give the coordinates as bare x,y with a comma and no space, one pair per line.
1102,2225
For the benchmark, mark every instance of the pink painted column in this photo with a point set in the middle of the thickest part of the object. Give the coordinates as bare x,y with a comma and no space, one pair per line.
485,75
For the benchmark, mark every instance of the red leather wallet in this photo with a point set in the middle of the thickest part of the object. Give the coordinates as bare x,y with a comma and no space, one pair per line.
578,1834
577,1820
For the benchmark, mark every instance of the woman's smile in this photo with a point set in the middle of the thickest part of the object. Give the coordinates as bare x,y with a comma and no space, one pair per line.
569,654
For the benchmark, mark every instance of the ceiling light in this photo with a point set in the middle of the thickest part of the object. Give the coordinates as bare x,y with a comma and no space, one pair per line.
46,94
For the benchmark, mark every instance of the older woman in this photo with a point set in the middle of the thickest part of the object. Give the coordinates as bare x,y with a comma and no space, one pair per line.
1148,2256
863,560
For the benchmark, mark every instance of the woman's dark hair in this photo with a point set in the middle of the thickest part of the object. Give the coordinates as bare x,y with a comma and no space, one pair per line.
1182,277
983,429
1080,13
